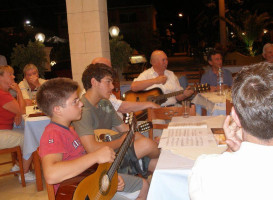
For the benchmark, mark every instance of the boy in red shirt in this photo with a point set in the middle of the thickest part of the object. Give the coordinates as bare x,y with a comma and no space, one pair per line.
62,153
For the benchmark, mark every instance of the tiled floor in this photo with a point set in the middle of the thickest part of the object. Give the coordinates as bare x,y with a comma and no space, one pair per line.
11,189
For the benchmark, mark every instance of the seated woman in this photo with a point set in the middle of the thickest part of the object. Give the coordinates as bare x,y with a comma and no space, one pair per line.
30,84
11,111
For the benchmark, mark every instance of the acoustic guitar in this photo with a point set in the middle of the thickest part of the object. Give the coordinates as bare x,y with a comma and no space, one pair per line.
156,95
102,184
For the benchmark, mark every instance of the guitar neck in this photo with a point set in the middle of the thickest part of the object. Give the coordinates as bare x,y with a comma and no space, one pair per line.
120,154
165,96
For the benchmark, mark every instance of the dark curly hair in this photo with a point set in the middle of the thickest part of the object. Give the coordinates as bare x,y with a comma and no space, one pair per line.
97,71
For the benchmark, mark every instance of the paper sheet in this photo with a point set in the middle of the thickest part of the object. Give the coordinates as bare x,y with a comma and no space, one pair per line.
176,138
175,125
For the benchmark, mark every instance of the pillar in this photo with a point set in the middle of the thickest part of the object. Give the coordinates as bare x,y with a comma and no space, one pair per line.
88,33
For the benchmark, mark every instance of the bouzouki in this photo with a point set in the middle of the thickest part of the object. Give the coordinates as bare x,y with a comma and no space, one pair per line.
103,183
107,135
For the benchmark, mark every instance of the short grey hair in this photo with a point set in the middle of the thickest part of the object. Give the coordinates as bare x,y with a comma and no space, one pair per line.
29,67
266,46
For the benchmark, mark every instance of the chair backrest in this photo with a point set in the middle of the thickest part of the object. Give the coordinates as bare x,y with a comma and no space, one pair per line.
166,113
49,187
229,105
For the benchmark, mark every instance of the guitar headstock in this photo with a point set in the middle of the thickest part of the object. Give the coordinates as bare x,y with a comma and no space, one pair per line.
130,120
145,126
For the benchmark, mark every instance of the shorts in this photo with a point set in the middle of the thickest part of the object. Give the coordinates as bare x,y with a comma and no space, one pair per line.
12,138
130,163
132,188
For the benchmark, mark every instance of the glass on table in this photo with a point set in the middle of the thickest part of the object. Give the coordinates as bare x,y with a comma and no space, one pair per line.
186,106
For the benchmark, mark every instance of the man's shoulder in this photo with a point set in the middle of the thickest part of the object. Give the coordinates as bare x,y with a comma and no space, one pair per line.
103,103
23,83
226,71
211,161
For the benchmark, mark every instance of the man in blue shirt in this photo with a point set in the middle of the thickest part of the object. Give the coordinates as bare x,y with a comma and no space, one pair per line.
215,60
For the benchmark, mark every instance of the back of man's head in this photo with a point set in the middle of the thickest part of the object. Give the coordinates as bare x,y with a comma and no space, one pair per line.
267,45
97,71
55,92
102,60
252,95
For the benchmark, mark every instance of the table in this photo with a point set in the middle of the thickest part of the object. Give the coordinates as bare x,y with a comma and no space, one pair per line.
170,178
34,128
213,103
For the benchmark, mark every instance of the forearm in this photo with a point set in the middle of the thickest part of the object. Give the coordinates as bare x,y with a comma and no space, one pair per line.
62,170
21,102
128,106
142,85
90,145
180,97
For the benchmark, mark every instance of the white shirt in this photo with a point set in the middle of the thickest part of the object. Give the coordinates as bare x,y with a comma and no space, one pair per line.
171,85
26,90
115,102
245,174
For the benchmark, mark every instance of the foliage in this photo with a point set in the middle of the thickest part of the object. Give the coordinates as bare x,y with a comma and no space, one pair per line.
120,52
32,53
248,27
60,52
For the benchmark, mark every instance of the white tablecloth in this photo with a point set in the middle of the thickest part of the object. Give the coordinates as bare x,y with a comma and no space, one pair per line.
213,103
170,178
34,128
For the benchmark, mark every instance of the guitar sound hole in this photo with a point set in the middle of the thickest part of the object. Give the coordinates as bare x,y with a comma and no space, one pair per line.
87,198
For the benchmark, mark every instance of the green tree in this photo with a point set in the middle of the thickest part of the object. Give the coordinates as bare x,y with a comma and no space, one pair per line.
248,27
32,53
120,52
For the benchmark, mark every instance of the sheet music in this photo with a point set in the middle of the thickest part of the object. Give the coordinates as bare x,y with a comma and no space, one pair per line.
186,137
175,125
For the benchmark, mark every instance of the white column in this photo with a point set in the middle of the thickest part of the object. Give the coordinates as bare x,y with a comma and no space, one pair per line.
88,33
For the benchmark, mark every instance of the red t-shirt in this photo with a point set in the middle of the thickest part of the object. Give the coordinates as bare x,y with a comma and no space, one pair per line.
59,139
6,117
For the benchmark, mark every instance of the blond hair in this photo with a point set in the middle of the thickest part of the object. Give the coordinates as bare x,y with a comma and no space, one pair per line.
6,68
29,67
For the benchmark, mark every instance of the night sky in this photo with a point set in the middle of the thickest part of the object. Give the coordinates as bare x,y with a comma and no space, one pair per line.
43,13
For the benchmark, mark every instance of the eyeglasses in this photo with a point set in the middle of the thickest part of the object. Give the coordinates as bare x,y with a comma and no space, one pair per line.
75,102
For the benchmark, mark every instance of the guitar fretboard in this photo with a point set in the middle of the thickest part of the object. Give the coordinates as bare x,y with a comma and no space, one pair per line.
164,96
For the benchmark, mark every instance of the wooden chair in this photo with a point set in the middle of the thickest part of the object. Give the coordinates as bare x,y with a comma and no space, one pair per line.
229,105
166,113
38,173
15,153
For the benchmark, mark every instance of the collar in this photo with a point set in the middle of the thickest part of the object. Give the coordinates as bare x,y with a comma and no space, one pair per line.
156,74
59,125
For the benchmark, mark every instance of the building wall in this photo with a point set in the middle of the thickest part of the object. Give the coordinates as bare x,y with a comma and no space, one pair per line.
88,33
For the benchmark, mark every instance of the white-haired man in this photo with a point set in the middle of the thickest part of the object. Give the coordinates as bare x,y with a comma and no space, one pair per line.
159,76
268,52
